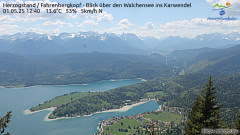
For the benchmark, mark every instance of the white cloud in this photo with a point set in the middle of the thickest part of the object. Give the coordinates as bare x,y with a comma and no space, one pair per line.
7,19
123,27
198,23
88,22
43,31
71,25
58,23
197,26
124,23
7,29
104,17
148,26
184,28
115,30
7,26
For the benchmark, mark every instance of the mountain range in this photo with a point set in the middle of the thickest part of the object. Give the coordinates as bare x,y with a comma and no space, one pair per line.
87,42
33,43
214,40
71,68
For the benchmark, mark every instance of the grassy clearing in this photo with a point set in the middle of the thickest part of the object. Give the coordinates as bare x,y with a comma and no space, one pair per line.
182,72
145,121
19,86
62,100
126,123
153,94
165,117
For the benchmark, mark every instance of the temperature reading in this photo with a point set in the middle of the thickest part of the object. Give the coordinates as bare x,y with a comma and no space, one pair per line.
54,10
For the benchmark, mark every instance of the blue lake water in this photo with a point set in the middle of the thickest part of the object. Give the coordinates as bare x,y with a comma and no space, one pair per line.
20,99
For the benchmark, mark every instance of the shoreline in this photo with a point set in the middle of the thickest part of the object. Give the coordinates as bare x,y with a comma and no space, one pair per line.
160,108
122,109
26,112
14,87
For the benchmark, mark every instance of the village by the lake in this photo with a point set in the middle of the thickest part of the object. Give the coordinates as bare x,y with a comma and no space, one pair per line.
166,120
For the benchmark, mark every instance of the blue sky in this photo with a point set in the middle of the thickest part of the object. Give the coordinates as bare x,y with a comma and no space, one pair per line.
155,22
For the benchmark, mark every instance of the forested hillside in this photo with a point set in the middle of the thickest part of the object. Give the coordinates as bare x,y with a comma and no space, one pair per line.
101,101
184,89
180,91
180,58
207,61
28,70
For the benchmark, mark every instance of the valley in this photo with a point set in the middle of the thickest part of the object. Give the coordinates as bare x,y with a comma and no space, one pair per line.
175,78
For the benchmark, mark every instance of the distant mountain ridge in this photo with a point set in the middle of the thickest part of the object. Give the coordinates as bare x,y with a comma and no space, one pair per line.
214,40
85,42
88,42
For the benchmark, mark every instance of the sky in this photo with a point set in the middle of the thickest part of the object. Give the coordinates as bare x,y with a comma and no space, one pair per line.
154,22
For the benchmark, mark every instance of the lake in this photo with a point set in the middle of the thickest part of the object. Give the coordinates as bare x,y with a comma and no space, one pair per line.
20,99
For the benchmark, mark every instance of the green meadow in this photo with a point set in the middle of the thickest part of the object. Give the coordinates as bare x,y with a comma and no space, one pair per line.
165,117
121,124
62,100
